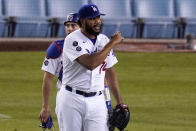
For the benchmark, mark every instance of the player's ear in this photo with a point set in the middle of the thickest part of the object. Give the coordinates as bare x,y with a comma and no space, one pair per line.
81,22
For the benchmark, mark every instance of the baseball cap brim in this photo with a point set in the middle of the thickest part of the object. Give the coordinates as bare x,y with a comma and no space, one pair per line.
68,21
90,17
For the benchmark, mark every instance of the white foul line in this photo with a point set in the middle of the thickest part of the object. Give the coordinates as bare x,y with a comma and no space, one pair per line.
4,116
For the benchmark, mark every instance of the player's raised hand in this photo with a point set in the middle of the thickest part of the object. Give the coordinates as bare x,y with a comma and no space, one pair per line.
44,114
117,37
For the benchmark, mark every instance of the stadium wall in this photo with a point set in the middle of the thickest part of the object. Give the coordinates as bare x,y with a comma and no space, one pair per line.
128,45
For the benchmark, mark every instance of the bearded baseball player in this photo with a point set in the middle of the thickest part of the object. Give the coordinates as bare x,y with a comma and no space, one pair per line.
87,58
53,66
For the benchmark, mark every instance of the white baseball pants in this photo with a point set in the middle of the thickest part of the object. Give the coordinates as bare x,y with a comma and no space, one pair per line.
78,113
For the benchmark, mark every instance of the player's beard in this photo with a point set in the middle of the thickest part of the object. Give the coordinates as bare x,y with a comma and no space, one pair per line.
90,29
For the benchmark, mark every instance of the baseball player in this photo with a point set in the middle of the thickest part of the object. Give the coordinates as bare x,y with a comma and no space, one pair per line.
53,66
87,58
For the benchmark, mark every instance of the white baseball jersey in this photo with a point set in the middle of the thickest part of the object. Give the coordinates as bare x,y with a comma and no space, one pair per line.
53,61
76,75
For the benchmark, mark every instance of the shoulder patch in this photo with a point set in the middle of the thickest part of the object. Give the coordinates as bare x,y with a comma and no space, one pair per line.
55,49
78,48
46,62
75,43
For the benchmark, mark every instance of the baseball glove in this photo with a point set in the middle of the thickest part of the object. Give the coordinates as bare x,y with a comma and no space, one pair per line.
120,117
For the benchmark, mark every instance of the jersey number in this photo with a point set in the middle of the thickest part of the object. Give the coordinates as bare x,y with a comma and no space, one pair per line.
102,68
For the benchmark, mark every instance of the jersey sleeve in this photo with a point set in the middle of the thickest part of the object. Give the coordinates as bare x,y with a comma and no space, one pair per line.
51,60
73,48
111,59
104,42
50,65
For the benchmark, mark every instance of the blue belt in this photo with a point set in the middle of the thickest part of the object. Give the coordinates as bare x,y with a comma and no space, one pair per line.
85,94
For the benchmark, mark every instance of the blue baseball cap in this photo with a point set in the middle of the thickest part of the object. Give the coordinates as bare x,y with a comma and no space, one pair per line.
72,17
89,11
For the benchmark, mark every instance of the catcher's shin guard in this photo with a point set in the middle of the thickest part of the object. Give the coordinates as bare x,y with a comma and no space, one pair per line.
47,125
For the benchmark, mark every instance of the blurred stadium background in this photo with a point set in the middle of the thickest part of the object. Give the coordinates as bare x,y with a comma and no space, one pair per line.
134,18
159,87
22,20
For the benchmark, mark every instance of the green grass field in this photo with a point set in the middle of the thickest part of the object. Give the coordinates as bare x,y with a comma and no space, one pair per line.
160,89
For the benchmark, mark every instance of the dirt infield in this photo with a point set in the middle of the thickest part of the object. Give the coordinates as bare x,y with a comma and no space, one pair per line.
128,45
